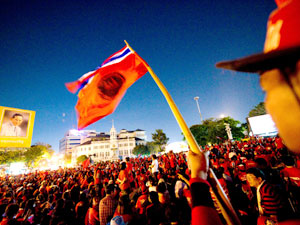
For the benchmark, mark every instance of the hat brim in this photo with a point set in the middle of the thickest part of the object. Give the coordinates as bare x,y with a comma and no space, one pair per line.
263,61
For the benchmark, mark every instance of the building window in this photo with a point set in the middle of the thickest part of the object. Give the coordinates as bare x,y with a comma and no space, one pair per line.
106,146
125,152
121,152
131,144
125,144
120,145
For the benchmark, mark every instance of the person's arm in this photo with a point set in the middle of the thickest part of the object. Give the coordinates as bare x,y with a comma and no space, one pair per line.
203,211
86,219
152,165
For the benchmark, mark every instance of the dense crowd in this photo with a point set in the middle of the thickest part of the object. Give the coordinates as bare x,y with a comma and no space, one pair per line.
156,189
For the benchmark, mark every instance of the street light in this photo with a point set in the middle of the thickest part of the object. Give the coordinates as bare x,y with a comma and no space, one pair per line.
196,99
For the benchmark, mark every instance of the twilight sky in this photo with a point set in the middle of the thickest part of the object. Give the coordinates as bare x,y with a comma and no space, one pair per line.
46,43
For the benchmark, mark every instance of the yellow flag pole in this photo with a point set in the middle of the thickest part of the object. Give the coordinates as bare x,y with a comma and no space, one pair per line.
223,202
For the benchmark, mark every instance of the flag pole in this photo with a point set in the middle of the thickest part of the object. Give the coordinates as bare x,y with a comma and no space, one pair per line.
223,202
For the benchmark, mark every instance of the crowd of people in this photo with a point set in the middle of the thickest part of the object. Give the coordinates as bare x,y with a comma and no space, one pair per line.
259,176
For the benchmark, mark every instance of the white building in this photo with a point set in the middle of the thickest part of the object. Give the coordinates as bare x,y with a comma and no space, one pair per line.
110,146
74,137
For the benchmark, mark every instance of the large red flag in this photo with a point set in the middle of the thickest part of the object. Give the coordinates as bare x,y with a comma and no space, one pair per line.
102,89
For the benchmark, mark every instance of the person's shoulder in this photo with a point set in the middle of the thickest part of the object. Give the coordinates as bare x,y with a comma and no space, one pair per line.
103,199
7,124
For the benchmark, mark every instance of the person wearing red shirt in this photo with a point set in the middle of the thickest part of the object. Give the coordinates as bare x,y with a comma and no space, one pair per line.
142,178
250,162
172,161
92,215
124,209
269,201
97,176
290,173
10,211
123,178
142,201
129,167
154,211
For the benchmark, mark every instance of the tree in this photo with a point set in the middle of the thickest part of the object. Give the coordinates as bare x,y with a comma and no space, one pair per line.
212,130
148,149
81,158
37,153
258,110
160,139
10,156
141,150
31,156
153,148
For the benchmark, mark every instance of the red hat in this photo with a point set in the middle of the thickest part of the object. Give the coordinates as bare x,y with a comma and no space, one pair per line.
282,44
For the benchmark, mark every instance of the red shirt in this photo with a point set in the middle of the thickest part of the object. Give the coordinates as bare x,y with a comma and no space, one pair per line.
4,221
250,164
92,217
279,143
124,175
293,174
98,177
173,161
129,170
141,204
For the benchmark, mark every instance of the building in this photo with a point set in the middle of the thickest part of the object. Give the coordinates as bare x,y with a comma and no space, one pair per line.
110,146
74,137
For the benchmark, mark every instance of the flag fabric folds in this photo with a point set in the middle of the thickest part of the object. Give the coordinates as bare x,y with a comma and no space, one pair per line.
81,82
101,90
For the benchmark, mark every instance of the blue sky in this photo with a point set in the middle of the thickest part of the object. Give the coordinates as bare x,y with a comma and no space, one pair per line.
45,44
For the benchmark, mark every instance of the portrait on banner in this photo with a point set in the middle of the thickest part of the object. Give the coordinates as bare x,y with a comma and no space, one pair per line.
14,123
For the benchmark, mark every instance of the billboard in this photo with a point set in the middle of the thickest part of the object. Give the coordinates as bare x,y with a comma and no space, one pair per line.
16,126
262,125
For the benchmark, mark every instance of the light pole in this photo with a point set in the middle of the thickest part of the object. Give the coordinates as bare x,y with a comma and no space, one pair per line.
196,99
